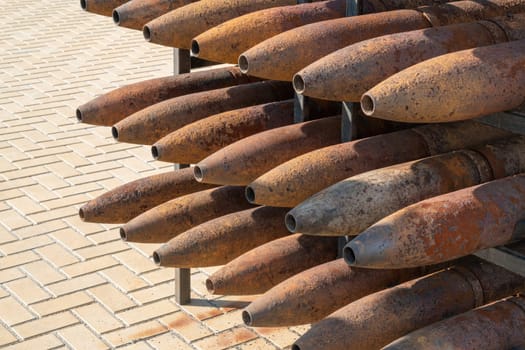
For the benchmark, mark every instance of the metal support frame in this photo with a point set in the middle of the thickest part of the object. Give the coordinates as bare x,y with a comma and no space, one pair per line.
349,114
182,64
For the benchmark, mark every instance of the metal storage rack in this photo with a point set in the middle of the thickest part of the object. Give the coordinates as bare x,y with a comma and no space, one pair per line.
514,121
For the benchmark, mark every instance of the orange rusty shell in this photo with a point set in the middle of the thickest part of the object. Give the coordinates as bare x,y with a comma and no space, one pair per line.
443,227
101,7
283,55
112,107
154,122
220,240
125,202
456,86
315,293
135,13
262,268
225,42
178,27
196,141
245,160
165,221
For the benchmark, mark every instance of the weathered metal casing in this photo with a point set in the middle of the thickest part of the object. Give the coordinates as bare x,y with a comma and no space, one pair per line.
499,325
178,27
292,182
313,294
285,54
262,268
456,86
165,221
348,73
135,13
112,107
101,7
196,141
125,202
218,241
378,319
225,42
443,227
245,160
350,206
154,122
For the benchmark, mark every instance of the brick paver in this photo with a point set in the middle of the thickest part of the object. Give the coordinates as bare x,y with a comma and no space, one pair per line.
65,284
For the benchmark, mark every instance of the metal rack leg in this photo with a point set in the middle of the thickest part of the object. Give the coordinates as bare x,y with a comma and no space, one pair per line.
182,64
182,286
182,276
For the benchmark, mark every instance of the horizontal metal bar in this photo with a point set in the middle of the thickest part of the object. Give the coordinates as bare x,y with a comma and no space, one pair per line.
182,63
504,257
511,121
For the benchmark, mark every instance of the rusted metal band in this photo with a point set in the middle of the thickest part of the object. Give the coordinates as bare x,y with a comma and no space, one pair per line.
477,289
511,25
426,140
497,32
483,165
497,165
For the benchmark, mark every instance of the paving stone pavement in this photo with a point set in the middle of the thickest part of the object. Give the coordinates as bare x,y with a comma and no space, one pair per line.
65,283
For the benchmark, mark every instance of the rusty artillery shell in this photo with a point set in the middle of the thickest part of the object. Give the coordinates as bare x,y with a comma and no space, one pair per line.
467,84
283,55
348,73
245,160
317,292
500,325
225,42
135,13
196,141
165,221
154,122
125,202
294,181
112,107
178,27
218,241
101,7
377,319
262,268
350,206
443,227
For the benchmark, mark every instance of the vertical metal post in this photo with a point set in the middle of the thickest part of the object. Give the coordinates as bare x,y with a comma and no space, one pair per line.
350,109
181,61
301,110
182,64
